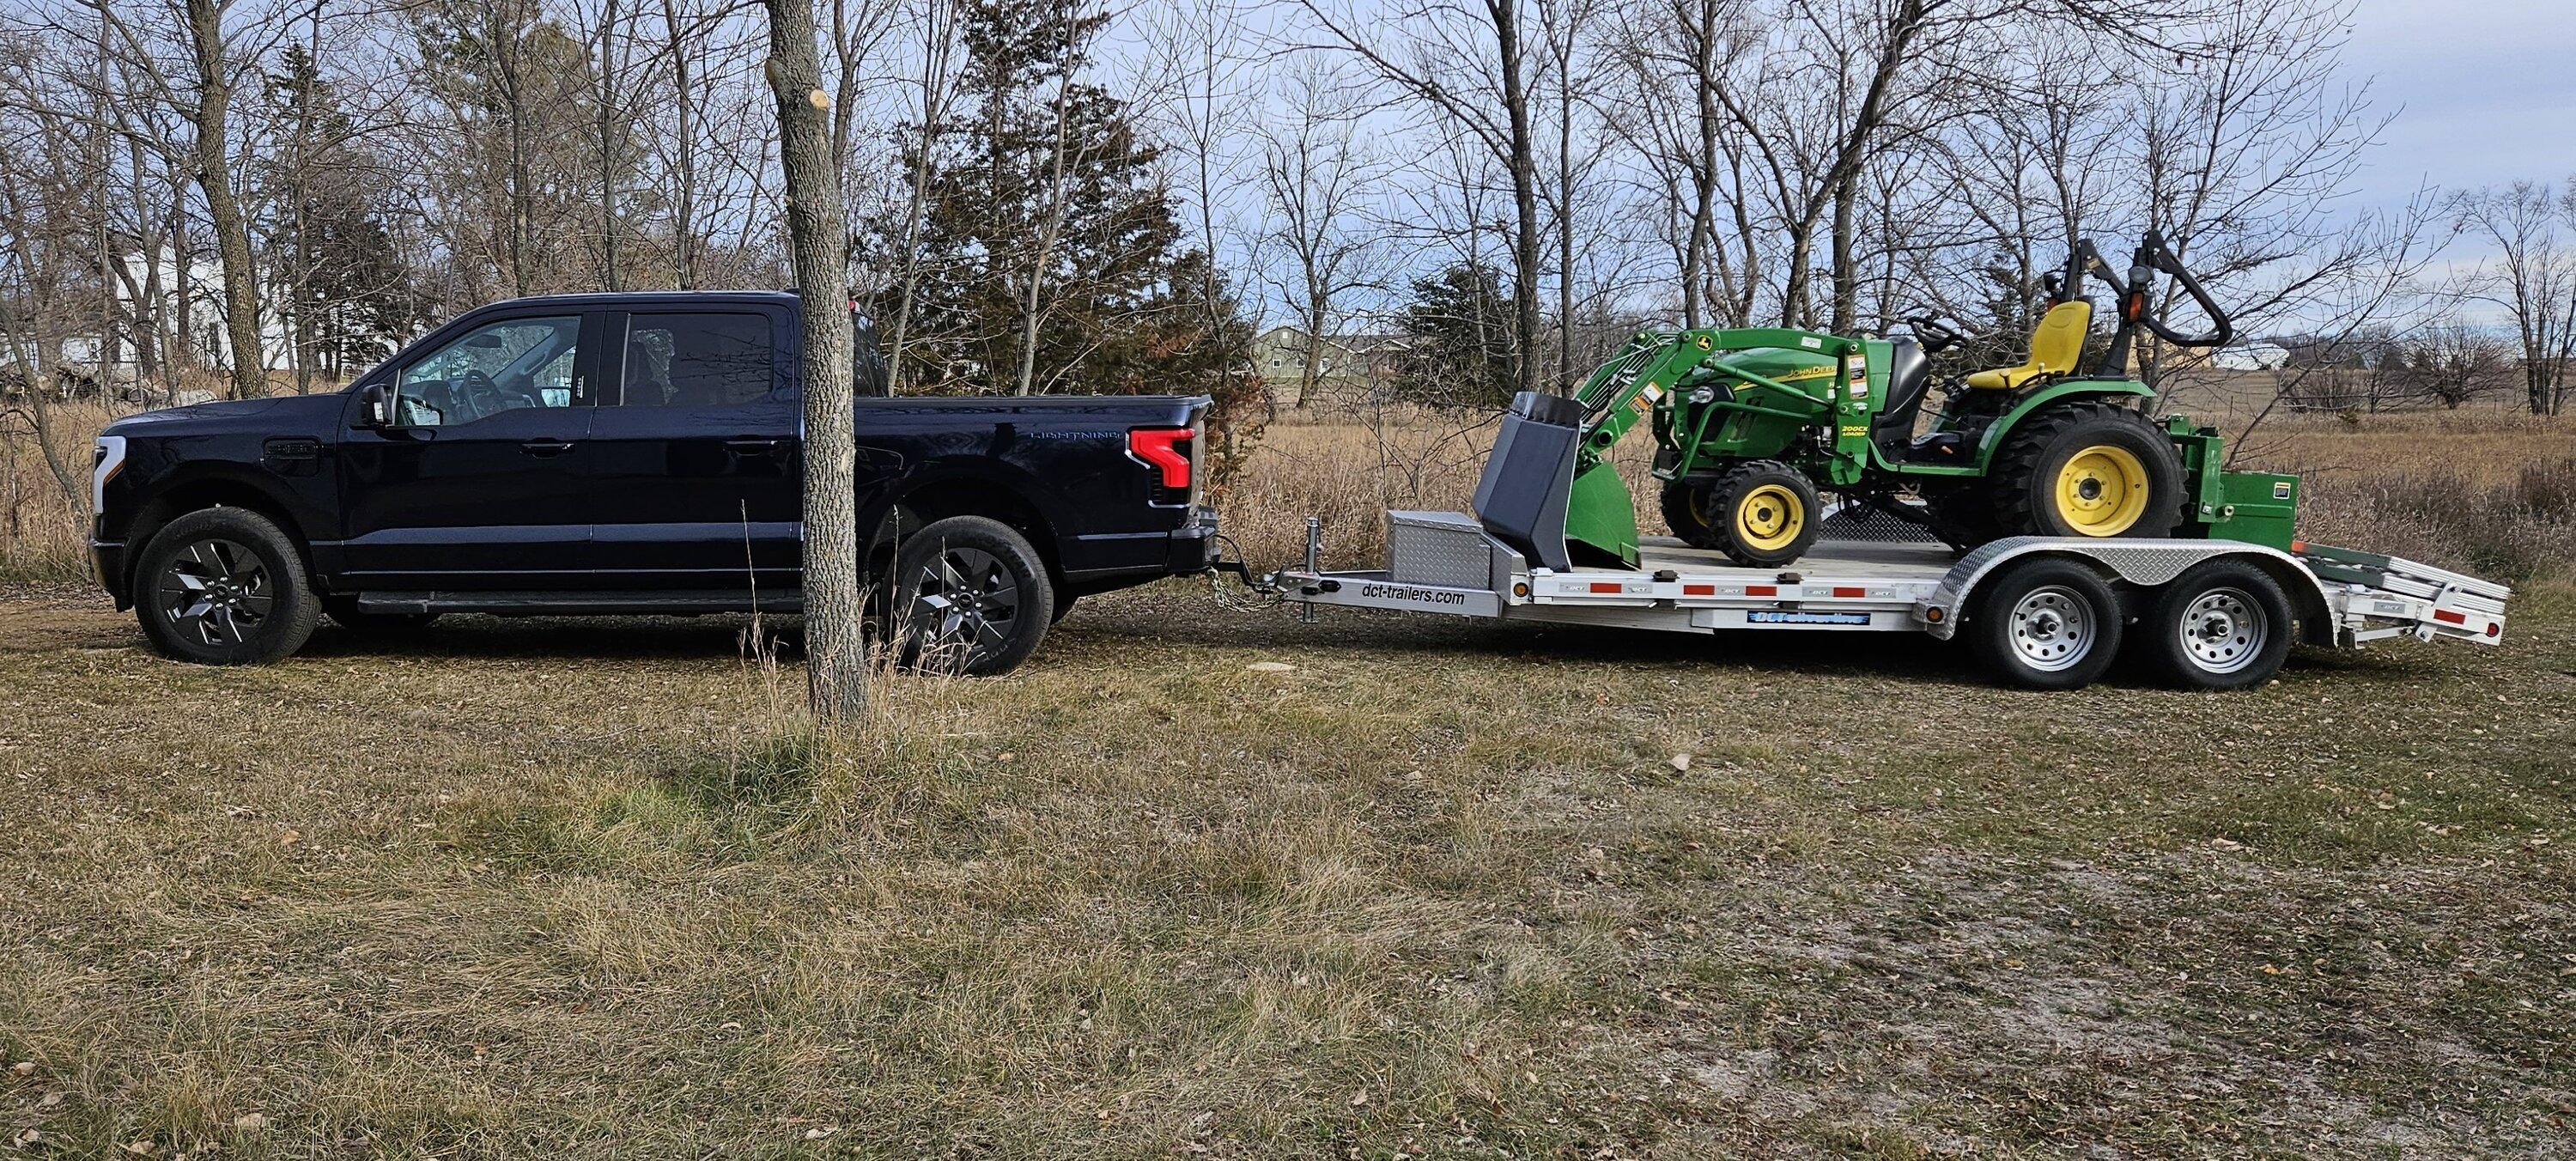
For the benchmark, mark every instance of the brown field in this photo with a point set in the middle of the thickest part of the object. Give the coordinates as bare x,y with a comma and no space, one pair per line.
587,888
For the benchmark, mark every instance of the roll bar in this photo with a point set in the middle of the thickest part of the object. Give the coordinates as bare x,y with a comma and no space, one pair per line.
2152,257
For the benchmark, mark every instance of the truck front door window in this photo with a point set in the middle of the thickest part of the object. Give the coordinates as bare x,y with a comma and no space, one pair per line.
515,363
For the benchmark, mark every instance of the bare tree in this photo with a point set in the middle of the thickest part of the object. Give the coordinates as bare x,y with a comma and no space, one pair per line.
1472,69
836,663
2531,278
1315,176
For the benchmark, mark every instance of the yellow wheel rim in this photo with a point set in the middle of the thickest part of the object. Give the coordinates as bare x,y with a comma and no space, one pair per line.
2102,490
1769,517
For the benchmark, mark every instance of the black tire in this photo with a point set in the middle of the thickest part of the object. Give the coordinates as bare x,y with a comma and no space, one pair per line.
345,613
2045,447
2045,624
224,586
2224,624
1685,508
971,597
1764,513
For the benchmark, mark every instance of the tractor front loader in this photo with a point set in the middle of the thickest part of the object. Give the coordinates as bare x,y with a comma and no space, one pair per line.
1750,424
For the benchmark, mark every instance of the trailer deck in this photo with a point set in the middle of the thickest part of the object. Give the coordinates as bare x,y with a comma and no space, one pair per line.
1870,580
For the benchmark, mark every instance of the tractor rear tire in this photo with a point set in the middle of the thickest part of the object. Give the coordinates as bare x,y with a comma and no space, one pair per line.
1764,513
1685,506
2087,469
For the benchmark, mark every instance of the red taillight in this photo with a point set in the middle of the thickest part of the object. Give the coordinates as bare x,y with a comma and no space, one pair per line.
1167,450
2447,615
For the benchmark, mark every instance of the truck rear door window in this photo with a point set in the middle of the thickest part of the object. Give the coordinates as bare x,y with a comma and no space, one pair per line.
697,360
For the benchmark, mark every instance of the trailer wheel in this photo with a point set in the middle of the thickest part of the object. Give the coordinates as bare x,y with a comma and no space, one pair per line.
971,597
2224,624
2046,624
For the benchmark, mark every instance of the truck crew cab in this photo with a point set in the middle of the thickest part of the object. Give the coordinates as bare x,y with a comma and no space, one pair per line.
629,454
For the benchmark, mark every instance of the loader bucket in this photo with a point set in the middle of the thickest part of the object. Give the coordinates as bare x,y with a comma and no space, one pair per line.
1601,518
1521,498
1530,498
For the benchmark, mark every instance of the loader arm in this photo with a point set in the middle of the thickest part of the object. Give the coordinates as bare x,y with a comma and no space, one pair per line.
1600,512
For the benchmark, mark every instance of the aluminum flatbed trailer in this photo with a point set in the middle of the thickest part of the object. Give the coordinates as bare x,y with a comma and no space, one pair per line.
2041,612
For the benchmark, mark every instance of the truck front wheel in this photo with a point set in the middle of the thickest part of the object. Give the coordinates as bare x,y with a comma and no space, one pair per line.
224,586
971,597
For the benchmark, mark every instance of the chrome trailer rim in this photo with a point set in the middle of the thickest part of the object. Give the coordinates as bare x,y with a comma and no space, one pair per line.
2223,630
2053,629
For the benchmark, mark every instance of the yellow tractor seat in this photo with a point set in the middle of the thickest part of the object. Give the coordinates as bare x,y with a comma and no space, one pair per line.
2055,344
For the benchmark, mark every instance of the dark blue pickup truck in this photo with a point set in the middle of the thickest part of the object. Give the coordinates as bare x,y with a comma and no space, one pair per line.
626,454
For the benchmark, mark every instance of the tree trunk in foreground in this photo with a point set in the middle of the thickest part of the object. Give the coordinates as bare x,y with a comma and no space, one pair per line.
836,672
223,208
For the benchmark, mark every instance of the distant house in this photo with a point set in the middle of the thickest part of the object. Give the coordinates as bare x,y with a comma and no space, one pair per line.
1350,369
2250,357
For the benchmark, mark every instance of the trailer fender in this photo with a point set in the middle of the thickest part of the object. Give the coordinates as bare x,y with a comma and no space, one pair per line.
2144,563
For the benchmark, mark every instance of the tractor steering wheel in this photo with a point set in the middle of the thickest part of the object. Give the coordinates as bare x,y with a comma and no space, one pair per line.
1935,335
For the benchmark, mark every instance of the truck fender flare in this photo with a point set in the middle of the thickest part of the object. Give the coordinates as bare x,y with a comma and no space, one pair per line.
2144,563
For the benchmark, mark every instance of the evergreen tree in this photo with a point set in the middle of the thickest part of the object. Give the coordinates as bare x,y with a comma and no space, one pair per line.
1458,339
1051,256
346,291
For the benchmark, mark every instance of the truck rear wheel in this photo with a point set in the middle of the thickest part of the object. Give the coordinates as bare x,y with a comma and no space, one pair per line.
2224,624
2087,469
971,597
224,586
2045,624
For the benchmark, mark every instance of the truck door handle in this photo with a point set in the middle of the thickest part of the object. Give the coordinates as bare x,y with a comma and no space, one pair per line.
546,447
752,446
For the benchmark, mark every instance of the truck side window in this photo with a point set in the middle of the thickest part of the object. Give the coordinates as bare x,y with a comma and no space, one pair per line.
697,360
520,362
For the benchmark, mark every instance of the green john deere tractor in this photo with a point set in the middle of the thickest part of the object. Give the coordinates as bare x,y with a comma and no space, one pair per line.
1750,424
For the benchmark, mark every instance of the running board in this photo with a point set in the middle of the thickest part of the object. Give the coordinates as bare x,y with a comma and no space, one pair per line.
579,603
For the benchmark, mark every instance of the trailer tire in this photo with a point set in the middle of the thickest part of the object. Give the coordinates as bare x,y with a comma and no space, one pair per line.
2224,624
2045,624
1685,508
971,597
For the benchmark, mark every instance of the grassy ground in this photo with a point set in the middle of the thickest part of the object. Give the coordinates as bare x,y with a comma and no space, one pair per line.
549,888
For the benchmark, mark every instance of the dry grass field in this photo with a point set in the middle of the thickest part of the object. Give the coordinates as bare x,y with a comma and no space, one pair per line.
584,888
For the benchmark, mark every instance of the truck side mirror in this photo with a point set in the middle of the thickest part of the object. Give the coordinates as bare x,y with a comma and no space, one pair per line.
376,407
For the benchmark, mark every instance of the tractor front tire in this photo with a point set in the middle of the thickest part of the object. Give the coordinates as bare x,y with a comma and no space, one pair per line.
1764,513
1685,506
2087,469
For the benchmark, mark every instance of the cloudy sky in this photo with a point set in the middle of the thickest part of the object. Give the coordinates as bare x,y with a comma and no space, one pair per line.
2484,91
